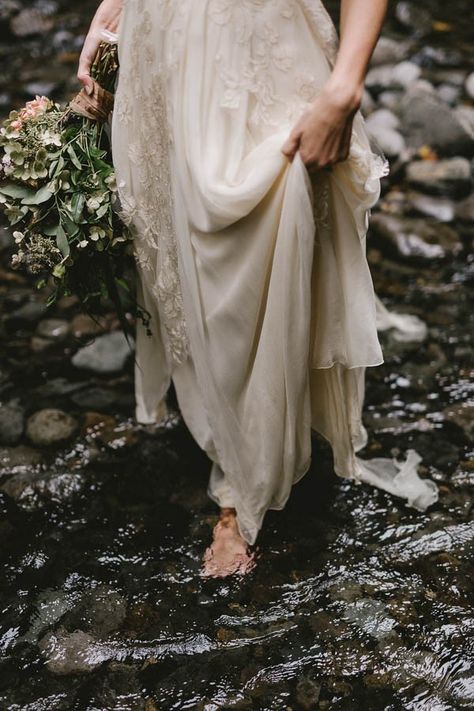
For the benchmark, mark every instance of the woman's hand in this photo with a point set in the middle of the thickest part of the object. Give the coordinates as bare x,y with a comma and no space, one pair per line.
106,18
322,134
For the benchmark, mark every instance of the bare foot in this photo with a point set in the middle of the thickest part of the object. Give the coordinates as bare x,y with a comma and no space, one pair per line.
228,552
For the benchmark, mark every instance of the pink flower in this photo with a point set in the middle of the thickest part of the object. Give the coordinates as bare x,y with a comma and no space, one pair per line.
38,105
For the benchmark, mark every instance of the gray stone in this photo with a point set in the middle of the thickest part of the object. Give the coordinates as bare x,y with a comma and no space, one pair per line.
469,85
8,8
390,99
416,237
106,354
390,141
393,76
390,51
443,176
70,653
383,118
50,427
443,209
449,93
11,423
465,116
43,88
427,120
55,329
29,312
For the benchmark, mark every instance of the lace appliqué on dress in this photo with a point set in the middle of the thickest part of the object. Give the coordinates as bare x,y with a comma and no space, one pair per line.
151,218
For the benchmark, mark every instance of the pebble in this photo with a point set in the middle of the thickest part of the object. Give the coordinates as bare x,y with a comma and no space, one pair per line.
106,354
11,423
393,76
390,141
50,427
56,329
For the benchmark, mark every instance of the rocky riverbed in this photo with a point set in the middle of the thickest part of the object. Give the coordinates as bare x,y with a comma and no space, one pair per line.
357,601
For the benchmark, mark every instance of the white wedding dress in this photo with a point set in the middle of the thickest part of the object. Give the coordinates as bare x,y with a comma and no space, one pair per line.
255,275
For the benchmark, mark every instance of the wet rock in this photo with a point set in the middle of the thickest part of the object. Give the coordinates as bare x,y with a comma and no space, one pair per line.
450,176
11,423
99,612
106,354
415,237
415,19
31,21
51,605
447,134
50,427
32,490
390,51
14,458
399,75
55,329
469,85
84,325
69,653
438,56
371,616
443,209
307,693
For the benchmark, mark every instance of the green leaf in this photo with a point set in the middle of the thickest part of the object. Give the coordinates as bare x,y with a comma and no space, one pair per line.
102,210
61,241
74,158
15,191
71,227
50,230
42,195
77,205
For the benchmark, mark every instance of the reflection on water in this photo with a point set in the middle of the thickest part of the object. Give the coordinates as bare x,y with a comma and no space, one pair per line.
358,602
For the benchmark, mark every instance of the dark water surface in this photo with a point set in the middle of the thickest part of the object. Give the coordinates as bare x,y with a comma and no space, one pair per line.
358,602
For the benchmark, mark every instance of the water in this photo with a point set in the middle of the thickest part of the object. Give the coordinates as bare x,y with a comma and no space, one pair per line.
357,601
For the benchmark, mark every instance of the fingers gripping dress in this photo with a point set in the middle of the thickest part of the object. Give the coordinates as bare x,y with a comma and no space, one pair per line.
255,274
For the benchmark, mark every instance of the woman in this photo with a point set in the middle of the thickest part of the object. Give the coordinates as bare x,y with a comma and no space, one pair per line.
246,175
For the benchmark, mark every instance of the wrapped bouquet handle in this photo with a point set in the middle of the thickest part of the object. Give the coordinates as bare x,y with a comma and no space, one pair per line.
96,106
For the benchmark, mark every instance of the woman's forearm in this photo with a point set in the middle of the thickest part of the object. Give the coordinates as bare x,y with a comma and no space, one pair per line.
360,25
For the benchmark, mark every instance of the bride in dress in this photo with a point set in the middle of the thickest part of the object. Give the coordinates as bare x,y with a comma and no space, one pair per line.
246,175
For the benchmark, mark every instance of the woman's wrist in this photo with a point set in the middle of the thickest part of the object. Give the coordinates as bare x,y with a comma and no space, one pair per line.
346,93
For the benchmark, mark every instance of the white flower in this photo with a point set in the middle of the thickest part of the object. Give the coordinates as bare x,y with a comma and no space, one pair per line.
50,139
96,233
111,182
83,243
95,201
18,236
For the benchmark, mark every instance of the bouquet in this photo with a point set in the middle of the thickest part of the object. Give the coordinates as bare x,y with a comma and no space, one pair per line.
57,187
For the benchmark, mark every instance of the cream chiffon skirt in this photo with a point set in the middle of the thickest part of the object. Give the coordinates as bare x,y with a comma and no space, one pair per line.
255,274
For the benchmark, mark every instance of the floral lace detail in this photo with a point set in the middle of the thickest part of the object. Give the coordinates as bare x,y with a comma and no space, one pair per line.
151,218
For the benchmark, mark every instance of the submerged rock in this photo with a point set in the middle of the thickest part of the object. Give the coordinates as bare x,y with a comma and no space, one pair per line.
31,490
50,427
14,458
69,653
